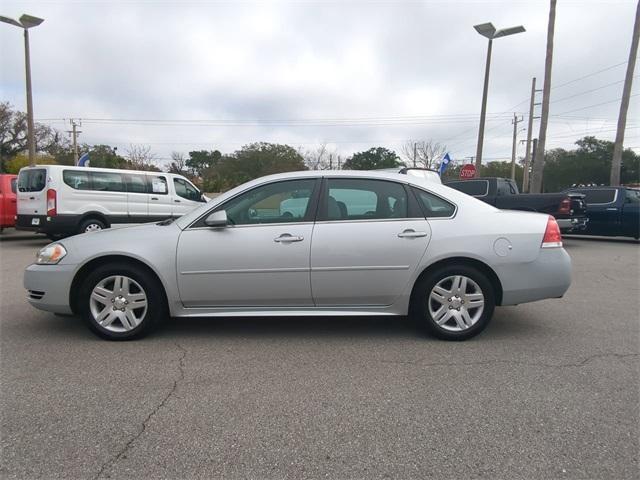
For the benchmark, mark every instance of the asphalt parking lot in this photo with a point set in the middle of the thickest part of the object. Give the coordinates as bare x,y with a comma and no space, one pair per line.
550,390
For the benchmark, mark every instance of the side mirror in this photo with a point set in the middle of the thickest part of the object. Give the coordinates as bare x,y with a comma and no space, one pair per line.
217,219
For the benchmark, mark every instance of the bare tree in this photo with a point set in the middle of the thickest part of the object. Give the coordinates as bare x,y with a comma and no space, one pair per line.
319,158
427,153
178,163
141,157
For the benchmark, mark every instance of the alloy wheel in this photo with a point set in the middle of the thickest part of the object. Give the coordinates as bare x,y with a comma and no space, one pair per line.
118,303
456,303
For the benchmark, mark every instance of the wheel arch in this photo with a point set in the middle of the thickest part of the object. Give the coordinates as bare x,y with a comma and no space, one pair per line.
492,276
93,214
94,263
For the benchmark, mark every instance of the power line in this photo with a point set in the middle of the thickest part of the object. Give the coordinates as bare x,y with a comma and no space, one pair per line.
589,75
596,105
590,91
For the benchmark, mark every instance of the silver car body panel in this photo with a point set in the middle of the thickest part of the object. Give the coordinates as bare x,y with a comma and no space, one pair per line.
337,269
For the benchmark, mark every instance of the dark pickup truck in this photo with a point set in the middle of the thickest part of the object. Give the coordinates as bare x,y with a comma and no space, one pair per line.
568,208
612,211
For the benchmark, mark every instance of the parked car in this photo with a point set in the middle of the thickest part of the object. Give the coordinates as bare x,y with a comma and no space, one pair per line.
425,173
568,209
64,200
612,211
402,245
7,200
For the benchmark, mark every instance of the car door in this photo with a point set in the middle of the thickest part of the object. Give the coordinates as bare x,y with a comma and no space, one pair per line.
631,213
260,259
368,240
602,210
32,195
137,197
160,201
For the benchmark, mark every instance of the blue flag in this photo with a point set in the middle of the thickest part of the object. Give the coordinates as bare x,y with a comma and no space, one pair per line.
83,161
446,160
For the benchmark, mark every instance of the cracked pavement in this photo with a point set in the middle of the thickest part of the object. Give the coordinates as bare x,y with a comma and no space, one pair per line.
550,390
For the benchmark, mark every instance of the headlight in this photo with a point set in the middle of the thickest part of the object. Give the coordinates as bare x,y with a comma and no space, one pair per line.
51,254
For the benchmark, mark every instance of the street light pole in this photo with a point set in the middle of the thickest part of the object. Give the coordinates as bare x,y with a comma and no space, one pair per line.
26,22
483,110
31,142
489,31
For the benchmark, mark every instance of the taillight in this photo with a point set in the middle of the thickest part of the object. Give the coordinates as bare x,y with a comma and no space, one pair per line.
552,237
51,203
565,206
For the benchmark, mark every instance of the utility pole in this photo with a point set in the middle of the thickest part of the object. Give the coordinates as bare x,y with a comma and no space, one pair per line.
515,123
533,152
616,161
527,156
331,161
415,153
74,135
538,167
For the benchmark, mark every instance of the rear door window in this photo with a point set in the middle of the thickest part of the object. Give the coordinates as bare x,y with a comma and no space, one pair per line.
476,188
107,182
136,183
76,179
32,180
599,196
14,185
363,199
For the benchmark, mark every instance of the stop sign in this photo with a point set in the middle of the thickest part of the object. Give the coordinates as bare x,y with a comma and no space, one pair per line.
468,171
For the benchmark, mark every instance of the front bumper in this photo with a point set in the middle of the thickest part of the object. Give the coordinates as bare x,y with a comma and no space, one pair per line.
575,224
48,287
548,276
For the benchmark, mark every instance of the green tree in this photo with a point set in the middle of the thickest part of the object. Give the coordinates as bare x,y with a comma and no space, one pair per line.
253,161
373,159
589,163
201,161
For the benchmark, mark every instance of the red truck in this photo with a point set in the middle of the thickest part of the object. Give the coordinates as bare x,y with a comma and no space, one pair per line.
8,187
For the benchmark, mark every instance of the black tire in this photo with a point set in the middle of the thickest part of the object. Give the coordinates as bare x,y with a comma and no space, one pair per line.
420,299
156,310
96,223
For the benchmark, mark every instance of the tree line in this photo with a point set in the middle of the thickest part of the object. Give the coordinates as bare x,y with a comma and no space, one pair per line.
213,171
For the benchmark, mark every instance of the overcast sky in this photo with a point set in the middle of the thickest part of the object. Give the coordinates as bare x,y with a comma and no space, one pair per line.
180,76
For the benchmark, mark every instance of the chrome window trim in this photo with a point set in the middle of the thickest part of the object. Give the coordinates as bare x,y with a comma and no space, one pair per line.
279,224
369,220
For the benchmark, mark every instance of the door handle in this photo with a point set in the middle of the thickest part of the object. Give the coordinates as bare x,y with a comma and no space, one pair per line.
154,198
612,209
32,198
410,233
287,238
177,201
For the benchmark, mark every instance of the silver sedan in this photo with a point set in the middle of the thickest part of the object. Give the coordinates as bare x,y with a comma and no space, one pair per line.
310,243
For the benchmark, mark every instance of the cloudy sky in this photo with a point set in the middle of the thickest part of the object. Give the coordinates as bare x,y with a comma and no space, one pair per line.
188,75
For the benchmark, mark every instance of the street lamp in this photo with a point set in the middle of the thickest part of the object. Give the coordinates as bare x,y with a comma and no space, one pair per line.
489,31
26,22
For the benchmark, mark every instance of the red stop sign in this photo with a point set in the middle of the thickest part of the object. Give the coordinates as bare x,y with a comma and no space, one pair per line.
468,171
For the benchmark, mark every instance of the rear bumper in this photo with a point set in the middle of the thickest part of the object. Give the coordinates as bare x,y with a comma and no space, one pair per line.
62,224
549,276
48,287
575,224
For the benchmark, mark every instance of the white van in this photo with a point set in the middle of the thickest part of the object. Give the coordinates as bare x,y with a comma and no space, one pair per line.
64,200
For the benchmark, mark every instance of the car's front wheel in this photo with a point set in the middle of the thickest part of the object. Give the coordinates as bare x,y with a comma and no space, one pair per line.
455,302
122,302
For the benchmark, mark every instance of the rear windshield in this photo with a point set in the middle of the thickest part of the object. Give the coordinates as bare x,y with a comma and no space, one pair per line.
32,180
14,185
605,195
477,188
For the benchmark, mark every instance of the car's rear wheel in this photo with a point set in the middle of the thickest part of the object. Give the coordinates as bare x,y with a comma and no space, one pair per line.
455,302
122,302
91,225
